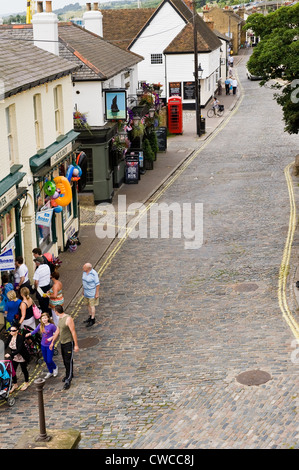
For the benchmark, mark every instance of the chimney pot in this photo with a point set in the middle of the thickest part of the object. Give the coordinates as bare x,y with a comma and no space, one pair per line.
95,6
48,6
40,8
88,6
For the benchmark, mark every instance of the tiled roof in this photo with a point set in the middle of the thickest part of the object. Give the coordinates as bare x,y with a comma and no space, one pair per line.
24,65
96,57
100,56
221,35
234,16
183,43
121,26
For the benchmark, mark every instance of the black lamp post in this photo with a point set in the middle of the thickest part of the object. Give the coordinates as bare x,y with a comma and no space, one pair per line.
197,72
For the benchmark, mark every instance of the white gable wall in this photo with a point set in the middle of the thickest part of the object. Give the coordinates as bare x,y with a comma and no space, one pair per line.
87,98
210,63
163,28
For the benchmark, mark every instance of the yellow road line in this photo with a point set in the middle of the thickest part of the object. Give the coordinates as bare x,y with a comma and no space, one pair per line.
285,263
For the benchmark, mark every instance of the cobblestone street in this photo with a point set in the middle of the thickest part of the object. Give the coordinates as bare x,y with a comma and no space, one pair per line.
176,326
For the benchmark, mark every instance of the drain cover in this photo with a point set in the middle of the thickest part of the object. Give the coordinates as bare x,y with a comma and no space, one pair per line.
253,377
246,287
87,342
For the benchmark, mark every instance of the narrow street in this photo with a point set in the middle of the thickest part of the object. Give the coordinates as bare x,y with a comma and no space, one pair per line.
177,326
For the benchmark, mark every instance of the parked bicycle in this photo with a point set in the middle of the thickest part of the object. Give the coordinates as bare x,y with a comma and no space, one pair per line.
216,111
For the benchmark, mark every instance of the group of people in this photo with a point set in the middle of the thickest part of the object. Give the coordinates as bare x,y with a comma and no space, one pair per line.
54,322
231,85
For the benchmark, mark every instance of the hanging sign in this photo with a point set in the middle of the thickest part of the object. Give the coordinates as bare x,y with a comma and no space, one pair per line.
115,104
7,262
44,218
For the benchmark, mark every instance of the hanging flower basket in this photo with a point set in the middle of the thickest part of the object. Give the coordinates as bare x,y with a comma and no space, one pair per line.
80,121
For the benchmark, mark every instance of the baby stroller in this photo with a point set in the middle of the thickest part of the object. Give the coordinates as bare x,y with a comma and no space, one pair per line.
33,344
6,374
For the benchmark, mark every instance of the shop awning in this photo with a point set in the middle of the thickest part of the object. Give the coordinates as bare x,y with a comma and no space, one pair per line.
13,179
10,194
56,152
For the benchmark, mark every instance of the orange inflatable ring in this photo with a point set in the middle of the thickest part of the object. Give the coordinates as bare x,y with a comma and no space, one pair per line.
63,184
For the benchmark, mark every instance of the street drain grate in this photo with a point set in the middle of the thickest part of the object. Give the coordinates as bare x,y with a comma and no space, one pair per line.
246,287
87,342
253,377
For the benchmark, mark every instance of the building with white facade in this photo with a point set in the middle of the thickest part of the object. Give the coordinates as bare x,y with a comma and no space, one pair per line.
164,37
37,138
100,65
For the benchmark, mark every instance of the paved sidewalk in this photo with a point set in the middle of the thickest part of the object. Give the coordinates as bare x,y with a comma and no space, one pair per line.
179,148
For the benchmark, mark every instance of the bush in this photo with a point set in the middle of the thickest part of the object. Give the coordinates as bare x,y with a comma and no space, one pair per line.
153,140
147,150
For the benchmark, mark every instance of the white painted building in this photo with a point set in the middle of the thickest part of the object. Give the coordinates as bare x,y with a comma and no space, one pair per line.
35,116
165,40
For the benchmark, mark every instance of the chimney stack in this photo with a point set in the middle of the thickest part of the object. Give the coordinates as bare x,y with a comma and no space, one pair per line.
40,8
45,28
93,19
49,6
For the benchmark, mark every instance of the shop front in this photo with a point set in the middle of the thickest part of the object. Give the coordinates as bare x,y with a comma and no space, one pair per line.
55,194
101,165
11,196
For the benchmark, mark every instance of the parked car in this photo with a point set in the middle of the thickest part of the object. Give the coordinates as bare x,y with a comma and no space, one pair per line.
250,76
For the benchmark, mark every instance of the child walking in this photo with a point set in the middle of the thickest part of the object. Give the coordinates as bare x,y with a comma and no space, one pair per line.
47,329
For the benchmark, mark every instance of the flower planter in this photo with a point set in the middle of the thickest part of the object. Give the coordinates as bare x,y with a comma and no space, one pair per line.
149,164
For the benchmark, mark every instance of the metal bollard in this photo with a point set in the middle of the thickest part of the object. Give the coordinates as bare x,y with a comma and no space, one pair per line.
42,423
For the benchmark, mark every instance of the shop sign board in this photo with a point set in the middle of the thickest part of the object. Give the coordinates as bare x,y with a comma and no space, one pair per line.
61,154
44,218
7,262
175,89
189,90
8,197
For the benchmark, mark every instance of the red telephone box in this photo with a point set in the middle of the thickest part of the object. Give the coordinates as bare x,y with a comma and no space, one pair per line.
175,115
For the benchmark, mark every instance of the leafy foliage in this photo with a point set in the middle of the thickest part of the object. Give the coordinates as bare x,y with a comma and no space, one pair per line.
277,57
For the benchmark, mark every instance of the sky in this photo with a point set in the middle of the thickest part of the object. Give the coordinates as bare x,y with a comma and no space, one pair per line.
19,6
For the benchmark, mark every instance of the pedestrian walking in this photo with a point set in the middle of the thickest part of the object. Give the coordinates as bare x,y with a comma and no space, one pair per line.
235,85
18,355
227,83
26,308
5,288
42,278
219,87
47,257
47,329
55,295
21,275
91,288
231,60
12,311
230,72
68,342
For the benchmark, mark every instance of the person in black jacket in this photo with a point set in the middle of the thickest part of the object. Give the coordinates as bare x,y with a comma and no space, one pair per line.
18,355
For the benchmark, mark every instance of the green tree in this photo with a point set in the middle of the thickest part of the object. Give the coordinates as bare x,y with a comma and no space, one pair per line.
277,57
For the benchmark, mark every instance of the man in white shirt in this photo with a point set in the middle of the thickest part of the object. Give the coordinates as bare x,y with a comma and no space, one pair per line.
91,287
235,84
21,274
42,278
